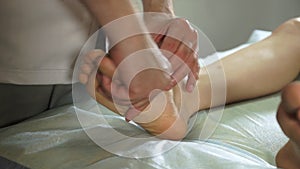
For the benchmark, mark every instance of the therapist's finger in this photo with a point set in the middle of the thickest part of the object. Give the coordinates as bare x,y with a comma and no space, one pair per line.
107,67
291,97
191,42
173,37
196,68
191,82
188,59
169,44
179,62
184,69
288,112
193,76
179,57
289,124
131,114
158,38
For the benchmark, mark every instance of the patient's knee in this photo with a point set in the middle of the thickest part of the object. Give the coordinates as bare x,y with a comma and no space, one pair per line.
291,26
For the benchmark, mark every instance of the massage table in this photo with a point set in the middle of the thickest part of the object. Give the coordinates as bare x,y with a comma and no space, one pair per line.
247,136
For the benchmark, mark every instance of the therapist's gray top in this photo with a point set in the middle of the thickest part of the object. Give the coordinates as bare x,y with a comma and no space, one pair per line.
40,40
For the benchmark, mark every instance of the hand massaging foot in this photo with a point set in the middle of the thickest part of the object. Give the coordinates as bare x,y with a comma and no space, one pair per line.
288,117
281,50
161,118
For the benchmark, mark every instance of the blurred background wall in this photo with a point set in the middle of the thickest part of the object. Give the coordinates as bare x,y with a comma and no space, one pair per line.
229,23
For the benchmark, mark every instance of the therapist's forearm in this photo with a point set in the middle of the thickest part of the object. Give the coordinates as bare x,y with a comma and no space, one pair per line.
165,6
115,16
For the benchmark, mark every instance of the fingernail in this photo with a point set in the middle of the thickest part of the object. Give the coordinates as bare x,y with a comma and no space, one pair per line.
173,82
131,114
127,120
190,88
168,87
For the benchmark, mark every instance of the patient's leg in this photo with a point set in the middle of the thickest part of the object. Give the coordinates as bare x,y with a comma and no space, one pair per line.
257,70
260,69
264,67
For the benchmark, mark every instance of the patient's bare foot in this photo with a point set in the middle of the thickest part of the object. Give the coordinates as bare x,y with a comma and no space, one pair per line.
288,116
160,118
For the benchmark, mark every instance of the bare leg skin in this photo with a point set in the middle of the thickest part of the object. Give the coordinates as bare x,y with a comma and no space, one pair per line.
258,70
288,116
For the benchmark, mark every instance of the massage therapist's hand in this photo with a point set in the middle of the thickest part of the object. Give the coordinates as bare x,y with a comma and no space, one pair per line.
176,37
126,34
288,114
141,69
118,23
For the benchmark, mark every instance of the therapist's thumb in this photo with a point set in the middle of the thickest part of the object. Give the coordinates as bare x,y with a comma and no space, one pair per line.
107,67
